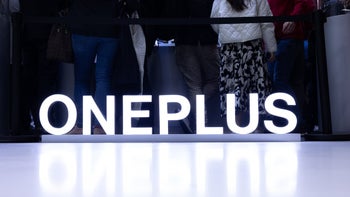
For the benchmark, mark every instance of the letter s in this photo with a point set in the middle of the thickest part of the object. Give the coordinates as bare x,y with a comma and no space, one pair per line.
283,113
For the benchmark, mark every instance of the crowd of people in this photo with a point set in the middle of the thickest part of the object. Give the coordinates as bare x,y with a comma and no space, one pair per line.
214,59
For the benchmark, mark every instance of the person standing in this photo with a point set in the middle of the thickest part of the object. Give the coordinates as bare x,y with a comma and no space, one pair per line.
7,7
288,70
243,67
197,58
93,42
39,75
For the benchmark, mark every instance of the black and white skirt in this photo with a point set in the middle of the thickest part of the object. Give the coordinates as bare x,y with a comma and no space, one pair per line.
243,70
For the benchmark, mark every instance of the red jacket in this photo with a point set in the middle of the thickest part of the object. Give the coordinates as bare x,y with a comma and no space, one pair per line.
290,8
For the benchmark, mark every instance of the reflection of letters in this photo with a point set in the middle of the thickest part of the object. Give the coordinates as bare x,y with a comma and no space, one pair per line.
64,162
107,121
158,169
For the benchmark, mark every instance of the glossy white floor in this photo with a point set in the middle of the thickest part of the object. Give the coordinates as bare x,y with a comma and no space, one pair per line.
262,169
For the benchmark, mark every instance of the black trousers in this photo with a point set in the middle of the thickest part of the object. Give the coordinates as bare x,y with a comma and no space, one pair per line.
39,79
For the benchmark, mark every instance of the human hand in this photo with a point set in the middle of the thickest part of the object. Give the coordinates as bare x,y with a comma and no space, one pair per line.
271,57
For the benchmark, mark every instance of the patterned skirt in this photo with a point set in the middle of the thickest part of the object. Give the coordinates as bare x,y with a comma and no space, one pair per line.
244,71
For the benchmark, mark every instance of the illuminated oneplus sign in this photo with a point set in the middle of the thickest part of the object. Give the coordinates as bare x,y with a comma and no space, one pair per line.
108,122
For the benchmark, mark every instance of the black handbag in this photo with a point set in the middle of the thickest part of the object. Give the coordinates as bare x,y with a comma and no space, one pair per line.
59,45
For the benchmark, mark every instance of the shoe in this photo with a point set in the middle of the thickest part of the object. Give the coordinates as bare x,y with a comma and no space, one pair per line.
98,131
75,131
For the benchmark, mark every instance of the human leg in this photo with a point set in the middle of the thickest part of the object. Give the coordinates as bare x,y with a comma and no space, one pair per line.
189,66
243,71
210,67
28,85
284,66
47,84
84,48
298,84
288,72
106,53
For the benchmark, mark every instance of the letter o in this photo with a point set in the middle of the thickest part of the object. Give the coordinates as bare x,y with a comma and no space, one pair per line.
72,114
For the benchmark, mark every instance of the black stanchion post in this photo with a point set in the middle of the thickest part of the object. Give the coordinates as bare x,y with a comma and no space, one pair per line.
14,85
17,21
4,73
324,113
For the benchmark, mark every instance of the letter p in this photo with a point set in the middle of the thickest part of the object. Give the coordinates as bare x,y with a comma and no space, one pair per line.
165,117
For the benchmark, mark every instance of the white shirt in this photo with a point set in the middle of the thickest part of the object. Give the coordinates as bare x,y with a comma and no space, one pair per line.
232,33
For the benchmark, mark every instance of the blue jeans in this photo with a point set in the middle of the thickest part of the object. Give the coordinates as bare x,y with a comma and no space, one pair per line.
86,49
288,71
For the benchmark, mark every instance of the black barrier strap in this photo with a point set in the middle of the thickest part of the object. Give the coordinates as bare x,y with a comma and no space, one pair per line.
166,21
